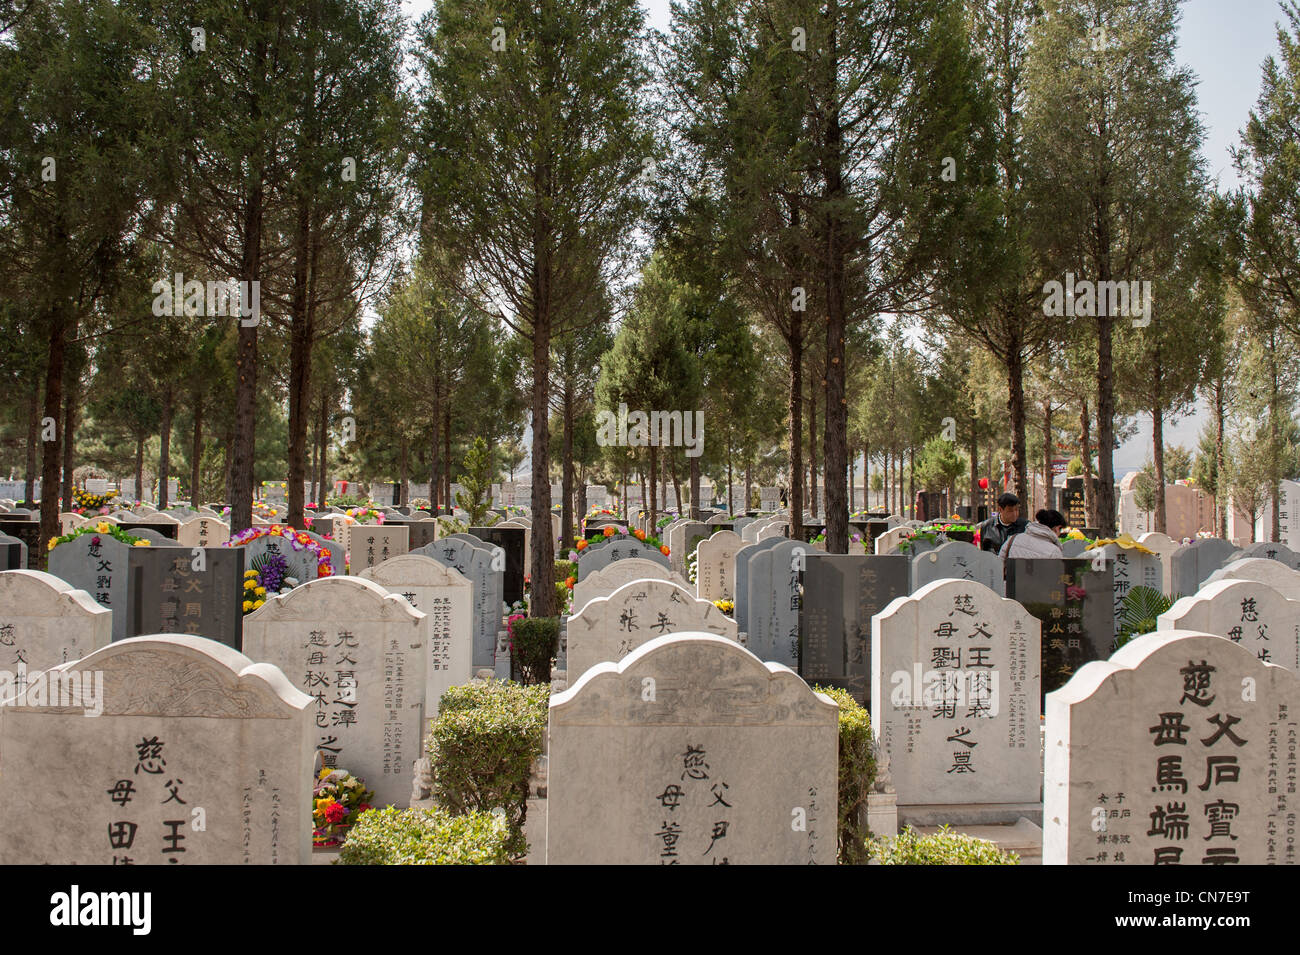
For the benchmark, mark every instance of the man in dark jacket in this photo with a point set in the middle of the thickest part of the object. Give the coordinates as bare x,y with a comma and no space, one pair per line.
1004,524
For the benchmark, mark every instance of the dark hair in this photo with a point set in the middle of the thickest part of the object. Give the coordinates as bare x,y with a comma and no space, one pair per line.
1049,518
1008,500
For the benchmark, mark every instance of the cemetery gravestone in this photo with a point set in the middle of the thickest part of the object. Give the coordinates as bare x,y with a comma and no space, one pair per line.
955,695
609,628
1192,563
593,559
1075,604
772,600
372,544
1185,727
45,622
100,565
1246,612
841,593
1271,572
29,532
715,575
185,723
512,541
359,652
1278,552
475,562
960,561
445,596
198,592
13,553
601,583
691,751
1129,568
203,532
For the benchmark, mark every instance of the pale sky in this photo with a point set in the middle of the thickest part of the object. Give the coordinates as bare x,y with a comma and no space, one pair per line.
1225,42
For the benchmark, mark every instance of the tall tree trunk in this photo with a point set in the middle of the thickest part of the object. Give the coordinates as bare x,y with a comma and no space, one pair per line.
1016,409
404,469
695,488
33,440
228,463
1047,453
566,477
1220,479
71,401
446,455
796,502
301,335
1085,450
435,465
812,448
51,451
196,456
1275,442
1105,495
835,443
139,467
323,445
1158,455
677,484
543,559
165,448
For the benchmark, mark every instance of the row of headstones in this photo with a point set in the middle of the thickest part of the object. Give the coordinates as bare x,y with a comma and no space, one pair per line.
699,711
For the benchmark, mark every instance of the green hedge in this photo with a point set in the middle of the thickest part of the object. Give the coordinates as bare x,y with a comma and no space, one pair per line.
533,645
857,773
393,836
481,750
941,848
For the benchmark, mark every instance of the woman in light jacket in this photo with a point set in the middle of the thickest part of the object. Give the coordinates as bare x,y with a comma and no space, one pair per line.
1041,538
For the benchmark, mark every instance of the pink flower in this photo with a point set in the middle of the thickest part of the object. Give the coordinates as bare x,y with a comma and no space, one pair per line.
1075,593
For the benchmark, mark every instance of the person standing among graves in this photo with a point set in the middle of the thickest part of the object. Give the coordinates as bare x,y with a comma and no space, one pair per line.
1042,538
1003,525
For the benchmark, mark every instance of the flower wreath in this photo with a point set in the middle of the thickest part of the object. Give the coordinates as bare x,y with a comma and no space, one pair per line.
611,531
297,539
103,527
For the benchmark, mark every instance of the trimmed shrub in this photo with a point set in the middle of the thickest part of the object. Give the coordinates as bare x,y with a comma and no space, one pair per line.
564,569
481,750
393,836
941,848
857,773
534,642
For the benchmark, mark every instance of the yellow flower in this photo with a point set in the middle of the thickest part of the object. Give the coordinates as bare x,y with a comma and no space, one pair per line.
250,584
250,573
258,603
102,527
248,605
141,543
260,591
53,541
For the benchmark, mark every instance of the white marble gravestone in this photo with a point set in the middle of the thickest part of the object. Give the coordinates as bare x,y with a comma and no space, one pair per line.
187,724
1272,572
955,692
372,544
203,532
604,582
715,574
360,653
692,751
609,628
45,621
445,596
1245,611
1173,751
1129,568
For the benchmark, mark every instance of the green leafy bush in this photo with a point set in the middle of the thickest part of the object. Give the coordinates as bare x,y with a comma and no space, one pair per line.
940,848
857,773
1138,612
564,569
393,836
345,501
481,750
533,645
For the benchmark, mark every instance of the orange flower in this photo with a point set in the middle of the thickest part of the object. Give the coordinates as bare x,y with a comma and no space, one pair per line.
609,530
664,550
581,545
639,534
570,581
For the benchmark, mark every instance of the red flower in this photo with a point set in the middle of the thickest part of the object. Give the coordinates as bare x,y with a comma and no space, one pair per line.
363,807
335,812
